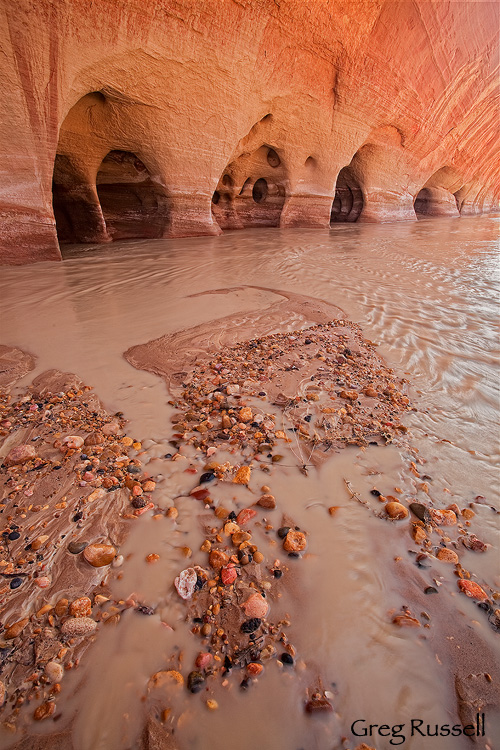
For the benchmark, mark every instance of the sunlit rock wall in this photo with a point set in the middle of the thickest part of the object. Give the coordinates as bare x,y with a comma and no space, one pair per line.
187,117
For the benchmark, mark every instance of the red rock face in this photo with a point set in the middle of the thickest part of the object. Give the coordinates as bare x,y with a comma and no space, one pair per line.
177,118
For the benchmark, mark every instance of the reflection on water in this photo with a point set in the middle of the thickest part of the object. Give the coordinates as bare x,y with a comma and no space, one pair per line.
427,293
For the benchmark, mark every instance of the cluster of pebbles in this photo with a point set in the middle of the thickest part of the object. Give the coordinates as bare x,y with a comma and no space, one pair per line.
68,477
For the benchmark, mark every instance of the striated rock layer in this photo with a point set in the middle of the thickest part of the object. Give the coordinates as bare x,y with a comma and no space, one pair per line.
170,118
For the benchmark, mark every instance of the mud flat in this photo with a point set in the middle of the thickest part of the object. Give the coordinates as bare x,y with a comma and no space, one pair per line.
206,546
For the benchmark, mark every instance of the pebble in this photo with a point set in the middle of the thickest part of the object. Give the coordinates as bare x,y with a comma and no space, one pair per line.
81,607
16,582
242,475
39,542
443,517
406,621
111,428
420,511
228,575
245,515
295,541
255,606
258,557
76,547
283,531
203,660
286,658
76,627
95,438
418,534
185,583
267,501
15,629
43,582
54,672
245,414
471,589
195,682
207,476
318,704
19,455
99,555
447,555
250,626
212,704
396,511
172,512
73,442
218,559
44,711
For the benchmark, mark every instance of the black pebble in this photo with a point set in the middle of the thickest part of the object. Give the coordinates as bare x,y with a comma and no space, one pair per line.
208,476
250,626
228,664
278,573
167,455
430,590
135,469
293,554
244,684
76,547
200,582
262,393
15,583
307,418
307,341
139,502
144,610
283,531
376,493
286,658
420,511
14,535
195,682
232,516
78,516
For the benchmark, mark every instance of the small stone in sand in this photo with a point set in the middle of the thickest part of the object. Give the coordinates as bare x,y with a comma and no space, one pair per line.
255,606
242,475
396,511
75,627
185,583
447,555
295,541
54,672
99,555
19,455
471,589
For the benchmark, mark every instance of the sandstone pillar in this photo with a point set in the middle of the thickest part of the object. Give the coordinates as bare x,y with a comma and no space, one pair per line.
306,211
190,215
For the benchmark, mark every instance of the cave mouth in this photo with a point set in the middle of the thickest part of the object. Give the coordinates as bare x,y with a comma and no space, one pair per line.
260,190
348,202
131,203
123,203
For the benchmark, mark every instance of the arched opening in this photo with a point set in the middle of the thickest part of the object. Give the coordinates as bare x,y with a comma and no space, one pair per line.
348,202
98,199
260,191
252,189
130,201
440,196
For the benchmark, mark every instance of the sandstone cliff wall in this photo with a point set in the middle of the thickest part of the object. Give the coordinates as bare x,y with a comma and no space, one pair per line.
187,117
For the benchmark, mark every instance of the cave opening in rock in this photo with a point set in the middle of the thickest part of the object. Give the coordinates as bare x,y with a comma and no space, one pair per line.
260,190
440,196
132,204
348,202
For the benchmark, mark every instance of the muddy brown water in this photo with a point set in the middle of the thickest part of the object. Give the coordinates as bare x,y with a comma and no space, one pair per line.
427,294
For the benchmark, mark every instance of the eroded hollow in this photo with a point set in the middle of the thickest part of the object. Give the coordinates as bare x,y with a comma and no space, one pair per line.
132,204
260,190
348,201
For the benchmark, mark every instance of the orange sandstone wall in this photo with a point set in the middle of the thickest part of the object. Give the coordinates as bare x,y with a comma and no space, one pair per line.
212,95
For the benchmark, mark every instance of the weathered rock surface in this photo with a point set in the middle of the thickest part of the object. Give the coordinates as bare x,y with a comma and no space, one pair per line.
177,118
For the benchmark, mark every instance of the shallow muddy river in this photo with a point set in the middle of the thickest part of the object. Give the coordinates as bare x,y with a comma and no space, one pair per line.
427,294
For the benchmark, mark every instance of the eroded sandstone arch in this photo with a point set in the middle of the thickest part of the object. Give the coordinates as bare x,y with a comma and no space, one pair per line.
252,190
102,189
438,197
